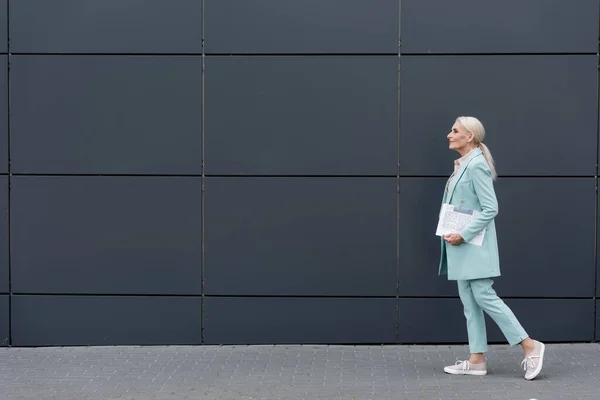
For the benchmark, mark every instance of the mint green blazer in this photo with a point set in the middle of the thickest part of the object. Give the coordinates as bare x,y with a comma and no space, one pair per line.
472,187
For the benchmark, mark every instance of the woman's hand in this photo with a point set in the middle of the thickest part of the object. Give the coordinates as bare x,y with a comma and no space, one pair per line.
453,238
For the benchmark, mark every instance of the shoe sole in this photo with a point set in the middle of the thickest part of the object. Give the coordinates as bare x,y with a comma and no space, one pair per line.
471,372
538,369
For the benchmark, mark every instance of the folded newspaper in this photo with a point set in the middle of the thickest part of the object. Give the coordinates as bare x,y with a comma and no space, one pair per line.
454,219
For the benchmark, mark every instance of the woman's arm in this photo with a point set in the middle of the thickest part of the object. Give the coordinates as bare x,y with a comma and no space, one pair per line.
484,188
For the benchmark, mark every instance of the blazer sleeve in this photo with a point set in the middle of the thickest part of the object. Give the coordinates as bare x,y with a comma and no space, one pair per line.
481,176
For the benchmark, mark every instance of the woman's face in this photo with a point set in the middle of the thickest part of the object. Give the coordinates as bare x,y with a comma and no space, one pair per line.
459,138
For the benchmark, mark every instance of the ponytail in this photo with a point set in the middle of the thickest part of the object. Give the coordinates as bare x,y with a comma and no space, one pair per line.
474,126
489,159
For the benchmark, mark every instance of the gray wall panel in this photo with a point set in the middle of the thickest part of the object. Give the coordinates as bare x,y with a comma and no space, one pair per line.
419,252
4,321
106,26
442,320
527,250
300,236
509,26
309,26
106,235
298,320
4,242
424,320
3,27
528,104
598,258
530,215
107,320
301,115
598,320
3,114
114,114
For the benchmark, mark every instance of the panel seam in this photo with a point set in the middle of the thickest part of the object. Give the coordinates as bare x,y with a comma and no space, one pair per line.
203,180
340,176
8,126
284,54
595,337
399,44
288,296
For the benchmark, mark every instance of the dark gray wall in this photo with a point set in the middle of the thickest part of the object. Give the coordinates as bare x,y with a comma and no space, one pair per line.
270,171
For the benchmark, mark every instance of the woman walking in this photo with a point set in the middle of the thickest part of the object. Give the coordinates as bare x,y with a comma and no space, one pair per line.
471,186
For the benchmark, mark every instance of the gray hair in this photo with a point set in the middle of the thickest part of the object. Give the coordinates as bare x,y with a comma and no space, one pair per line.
474,126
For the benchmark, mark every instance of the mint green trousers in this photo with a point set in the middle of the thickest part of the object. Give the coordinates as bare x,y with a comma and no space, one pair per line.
478,296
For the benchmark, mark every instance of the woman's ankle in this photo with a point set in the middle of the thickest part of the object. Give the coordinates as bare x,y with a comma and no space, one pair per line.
477,358
527,345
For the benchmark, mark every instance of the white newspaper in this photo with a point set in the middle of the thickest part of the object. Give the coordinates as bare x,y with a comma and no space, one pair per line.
454,219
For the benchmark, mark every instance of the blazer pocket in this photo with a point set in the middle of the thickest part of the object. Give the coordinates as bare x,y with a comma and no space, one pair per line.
463,191
464,185
464,182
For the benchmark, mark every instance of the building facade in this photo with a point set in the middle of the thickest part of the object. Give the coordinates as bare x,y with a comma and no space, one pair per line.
271,171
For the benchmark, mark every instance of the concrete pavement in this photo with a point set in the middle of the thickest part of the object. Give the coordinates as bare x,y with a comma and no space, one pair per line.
572,371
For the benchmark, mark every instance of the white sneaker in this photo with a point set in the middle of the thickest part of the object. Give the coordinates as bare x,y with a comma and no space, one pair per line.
532,364
466,368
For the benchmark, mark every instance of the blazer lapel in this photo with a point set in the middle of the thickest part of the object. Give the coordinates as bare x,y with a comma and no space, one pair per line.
460,173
